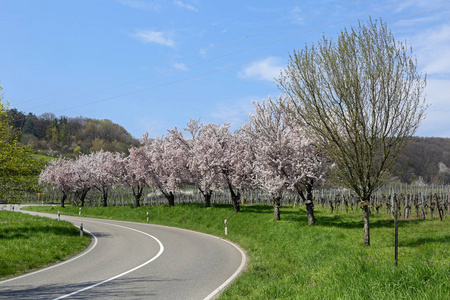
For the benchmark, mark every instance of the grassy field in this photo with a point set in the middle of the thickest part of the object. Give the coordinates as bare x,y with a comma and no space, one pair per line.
289,260
28,242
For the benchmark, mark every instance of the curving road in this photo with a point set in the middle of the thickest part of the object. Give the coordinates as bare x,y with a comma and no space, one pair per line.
135,261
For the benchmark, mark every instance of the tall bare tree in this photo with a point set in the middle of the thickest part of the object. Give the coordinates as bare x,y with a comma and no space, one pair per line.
361,97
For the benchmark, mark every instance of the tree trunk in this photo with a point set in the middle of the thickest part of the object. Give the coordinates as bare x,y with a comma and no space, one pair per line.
63,199
366,212
82,196
137,193
276,208
235,197
171,199
207,199
310,211
137,200
310,204
207,196
105,197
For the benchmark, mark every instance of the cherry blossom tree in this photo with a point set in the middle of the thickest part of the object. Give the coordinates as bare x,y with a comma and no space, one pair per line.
60,174
234,158
106,171
134,174
164,165
203,157
82,177
285,159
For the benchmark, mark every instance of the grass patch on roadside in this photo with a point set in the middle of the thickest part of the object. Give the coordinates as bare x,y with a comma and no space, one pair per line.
29,242
289,260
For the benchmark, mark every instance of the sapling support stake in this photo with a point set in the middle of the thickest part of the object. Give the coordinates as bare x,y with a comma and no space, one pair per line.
396,234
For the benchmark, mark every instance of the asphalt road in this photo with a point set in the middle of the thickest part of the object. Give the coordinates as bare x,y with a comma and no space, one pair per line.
135,261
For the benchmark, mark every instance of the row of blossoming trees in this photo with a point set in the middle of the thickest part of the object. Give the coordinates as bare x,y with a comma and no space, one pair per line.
271,152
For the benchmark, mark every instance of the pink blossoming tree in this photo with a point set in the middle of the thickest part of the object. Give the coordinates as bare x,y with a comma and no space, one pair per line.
106,171
59,173
164,165
285,159
134,174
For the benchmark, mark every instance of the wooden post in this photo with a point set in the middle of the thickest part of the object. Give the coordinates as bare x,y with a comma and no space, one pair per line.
396,230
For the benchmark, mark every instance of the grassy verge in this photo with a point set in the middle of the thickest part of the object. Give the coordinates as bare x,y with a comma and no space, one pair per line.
289,260
29,242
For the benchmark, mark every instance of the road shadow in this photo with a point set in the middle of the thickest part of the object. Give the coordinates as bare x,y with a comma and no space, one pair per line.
121,288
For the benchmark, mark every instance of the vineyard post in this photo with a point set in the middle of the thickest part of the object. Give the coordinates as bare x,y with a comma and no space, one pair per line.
437,206
396,230
392,203
423,211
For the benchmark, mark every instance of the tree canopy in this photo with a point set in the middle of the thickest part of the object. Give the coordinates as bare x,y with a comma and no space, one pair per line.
18,165
361,98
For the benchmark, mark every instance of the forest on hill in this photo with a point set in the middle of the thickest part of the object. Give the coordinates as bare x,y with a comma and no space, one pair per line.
424,159
53,136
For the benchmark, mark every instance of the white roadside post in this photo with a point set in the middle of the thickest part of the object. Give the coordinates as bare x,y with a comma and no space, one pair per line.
147,216
59,218
226,228
79,211
81,230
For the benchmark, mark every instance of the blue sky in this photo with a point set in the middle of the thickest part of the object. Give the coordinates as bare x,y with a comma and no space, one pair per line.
152,65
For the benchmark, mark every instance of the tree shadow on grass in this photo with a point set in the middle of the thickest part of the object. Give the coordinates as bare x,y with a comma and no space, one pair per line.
29,231
257,208
415,242
325,219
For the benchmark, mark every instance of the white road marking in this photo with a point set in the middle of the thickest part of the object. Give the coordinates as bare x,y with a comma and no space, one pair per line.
161,250
236,274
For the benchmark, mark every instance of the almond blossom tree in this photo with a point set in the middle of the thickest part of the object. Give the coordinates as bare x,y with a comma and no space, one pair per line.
203,157
106,171
134,174
235,161
82,177
284,158
164,165
59,173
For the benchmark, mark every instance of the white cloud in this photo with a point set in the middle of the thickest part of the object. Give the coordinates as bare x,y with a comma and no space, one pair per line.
148,36
437,122
235,113
433,50
297,12
140,4
180,66
185,6
266,69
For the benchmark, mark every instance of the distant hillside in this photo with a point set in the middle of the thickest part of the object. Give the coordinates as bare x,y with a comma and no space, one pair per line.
428,158
53,135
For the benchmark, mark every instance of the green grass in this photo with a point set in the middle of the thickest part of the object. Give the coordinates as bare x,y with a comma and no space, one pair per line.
29,242
289,260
